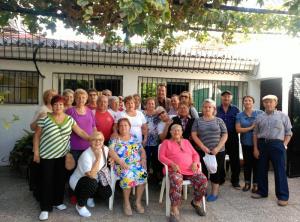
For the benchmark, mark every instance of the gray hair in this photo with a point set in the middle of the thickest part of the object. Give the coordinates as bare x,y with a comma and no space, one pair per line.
176,126
68,91
212,102
111,99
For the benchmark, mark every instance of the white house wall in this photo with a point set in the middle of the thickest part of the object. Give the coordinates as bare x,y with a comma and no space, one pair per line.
130,86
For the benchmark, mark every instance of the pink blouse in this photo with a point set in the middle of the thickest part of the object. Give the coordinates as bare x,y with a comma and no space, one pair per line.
170,152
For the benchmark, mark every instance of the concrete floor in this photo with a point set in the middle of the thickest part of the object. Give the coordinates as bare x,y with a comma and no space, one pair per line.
17,204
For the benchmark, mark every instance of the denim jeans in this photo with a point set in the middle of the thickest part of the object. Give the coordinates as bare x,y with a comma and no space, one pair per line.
274,151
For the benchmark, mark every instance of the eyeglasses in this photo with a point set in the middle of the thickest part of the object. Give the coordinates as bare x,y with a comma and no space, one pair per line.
162,112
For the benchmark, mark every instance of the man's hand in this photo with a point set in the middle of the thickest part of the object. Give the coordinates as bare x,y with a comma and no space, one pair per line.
214,151
36,158
256,153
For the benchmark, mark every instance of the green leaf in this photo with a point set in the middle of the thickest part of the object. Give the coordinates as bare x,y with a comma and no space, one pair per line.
83,3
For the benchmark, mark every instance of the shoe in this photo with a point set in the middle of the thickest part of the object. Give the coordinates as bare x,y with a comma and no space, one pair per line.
211,198
44,215
199,209
61,207
257,196
90,202
236,186
127,210
83,211
254,188
173,218
246,187
140,209
282,203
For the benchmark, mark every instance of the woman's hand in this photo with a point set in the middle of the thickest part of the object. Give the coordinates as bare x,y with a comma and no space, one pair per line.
36,158
144,163
114,136
195,167
111,161
175,167
123,165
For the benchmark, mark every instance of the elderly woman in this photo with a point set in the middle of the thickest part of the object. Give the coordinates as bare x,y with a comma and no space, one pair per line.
153,138
68,94
131,151
50,144
183,163
210,134
174,105
245,125
86,179
44,109
136,118
137,101
186,97
113,105
84,119
103,119
165,122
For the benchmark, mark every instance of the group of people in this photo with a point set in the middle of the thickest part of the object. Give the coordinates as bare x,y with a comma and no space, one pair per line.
134,138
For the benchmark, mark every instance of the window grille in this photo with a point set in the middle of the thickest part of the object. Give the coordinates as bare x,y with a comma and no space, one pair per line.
19,87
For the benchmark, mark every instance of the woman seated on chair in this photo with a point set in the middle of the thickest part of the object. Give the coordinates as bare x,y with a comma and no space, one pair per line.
183,163
130,150
89,179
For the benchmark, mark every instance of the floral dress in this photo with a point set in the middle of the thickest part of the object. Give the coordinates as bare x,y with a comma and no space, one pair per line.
130,152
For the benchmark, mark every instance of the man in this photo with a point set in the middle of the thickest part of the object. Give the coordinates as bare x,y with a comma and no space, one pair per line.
228,112
271,135
92,99
161,98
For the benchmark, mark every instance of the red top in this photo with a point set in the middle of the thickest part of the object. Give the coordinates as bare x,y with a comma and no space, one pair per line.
170,152
104,123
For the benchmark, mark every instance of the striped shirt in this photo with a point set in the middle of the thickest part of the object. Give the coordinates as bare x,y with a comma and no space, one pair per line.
210,131
55,138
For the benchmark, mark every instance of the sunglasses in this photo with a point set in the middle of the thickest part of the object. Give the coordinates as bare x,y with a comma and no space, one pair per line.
184,96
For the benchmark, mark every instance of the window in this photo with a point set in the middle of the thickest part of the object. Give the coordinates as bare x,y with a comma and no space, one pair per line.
176,88
19,87
86,81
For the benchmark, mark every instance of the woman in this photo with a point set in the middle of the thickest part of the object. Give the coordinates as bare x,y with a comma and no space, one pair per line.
210,134
84,119
121,104
85,181
186,97
153,138
174,105
44,109
183,163
137,120
50,144
245,125
164,124
68,94
103,119
113,104
131,151
137,101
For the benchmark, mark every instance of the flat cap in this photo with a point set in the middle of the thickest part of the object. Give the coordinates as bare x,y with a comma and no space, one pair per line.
226,92
273,97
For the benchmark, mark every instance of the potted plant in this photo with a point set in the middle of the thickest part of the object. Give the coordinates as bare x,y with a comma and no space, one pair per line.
21,155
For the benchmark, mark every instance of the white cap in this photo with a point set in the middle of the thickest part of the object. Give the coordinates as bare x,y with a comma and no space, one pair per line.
270,97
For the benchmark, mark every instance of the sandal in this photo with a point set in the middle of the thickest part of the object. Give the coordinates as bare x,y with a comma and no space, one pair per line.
140,209
246,187
254,188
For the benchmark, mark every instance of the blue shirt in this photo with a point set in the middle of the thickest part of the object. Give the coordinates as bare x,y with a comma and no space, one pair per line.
228,117
247,121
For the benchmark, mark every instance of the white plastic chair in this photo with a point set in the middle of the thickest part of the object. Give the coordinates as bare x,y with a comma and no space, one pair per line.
114,179
165,185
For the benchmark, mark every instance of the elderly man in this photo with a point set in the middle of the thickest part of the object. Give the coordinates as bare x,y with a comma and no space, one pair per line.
227,112
161,98
271,135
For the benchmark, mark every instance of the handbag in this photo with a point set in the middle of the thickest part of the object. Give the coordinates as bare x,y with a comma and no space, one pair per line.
211,163
69,161
104,173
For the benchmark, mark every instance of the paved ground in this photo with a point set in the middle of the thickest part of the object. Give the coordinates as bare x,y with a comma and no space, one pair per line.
17,204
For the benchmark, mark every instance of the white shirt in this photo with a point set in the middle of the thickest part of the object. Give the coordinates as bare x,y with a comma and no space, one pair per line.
85,164
161,125
136,123
41,109
114,114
